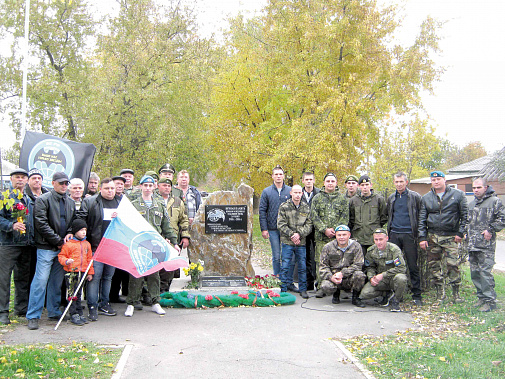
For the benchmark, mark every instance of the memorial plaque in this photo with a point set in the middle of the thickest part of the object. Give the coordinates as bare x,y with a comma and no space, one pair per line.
223,281
221,219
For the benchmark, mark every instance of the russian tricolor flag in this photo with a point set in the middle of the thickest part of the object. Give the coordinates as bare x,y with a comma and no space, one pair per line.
132,244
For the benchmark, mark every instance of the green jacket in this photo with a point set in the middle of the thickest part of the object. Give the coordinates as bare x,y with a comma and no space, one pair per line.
157,216
328,210
366,215
291,220
179,220
388,263
335,260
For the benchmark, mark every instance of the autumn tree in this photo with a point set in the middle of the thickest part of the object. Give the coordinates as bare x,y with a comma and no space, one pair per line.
309,85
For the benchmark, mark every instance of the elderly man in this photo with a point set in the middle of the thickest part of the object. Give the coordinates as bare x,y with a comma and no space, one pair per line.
75,191
329,209
93,181
385,269
128,174
340,267
486,217
192,197
14,249
293,223
98,211
403,214
119,183
53,215
442,225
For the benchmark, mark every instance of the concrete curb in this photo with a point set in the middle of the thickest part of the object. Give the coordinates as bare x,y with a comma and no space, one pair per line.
118,371
354,360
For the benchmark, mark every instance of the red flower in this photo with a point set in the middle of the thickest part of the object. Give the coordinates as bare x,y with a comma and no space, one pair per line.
208,297
244,296
275,294
20,206
234,292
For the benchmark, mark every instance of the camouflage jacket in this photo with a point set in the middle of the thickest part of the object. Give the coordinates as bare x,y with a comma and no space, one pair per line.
333,259
157,216
488,214
328,210
366,215
291,220
179,220
388,263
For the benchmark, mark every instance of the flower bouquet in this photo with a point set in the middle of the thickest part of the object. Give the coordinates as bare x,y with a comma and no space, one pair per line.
195,271
18,210
263,282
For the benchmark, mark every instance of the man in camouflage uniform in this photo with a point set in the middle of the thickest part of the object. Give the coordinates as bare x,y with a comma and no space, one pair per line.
128,174
386,270
328,210
351,185
294,224
367,212
340,267
486,217
168,171
178,221
442,225
155,212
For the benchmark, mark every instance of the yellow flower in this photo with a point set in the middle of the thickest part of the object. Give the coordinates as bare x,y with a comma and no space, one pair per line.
200,268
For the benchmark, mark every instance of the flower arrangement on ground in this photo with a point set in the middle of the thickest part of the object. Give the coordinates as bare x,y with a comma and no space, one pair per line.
262,282
195,271
18,210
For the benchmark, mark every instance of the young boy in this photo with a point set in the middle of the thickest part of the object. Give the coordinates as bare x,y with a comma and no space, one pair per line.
75,256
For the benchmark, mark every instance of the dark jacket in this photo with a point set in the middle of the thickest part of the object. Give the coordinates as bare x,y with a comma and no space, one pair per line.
270,202
414,205
9,236
47,219
31,207
315,191
91,211
488,214
365,215
446,217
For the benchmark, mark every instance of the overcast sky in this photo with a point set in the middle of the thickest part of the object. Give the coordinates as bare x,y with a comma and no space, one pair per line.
468,100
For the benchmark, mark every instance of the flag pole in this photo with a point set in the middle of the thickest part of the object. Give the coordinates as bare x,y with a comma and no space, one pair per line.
75,294
25,68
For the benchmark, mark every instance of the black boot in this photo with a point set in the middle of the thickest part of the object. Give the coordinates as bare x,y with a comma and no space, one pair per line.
336,297
356,300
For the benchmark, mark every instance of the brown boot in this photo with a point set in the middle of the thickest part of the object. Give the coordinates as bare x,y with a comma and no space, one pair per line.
456,299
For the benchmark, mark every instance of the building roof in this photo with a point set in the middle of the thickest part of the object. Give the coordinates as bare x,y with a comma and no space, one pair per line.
471,168
490,171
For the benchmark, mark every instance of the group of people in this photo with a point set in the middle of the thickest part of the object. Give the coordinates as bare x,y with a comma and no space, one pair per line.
52,245
357,241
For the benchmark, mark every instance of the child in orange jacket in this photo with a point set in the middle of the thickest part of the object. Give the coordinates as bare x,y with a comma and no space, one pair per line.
75,256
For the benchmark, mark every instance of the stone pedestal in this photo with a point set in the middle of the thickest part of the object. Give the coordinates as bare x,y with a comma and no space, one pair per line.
224,254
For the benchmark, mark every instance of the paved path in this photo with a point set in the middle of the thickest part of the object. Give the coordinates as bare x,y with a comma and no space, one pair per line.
288,341
500,256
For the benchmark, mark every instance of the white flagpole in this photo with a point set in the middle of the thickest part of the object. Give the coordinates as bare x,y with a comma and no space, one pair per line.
25,69
75,294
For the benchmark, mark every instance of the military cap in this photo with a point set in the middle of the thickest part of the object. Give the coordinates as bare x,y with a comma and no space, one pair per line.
126,171
329,174
342,228
152,174
364,179
147,179
164,180
167,167
19,171
119,178
351,178
35,171
437,174
60,177
380,231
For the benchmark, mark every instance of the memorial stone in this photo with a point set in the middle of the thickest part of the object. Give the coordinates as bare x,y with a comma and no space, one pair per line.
225,254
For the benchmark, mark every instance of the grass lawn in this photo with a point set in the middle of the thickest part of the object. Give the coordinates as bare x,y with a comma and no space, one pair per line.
452,341
58,361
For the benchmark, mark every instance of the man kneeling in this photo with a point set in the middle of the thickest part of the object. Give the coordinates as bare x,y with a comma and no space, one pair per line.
385,268
340,267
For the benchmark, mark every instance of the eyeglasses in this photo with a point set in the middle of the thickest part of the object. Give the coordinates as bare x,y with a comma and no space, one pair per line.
64,183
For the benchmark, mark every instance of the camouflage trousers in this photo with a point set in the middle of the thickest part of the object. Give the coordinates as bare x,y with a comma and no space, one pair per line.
351,283
135,288
481,264
317,258
398,284
443,258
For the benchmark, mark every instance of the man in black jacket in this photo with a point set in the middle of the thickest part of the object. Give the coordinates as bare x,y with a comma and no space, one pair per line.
53,215
98,211
309,191
403,213
442,225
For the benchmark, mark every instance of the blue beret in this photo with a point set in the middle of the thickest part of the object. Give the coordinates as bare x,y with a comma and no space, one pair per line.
437,174
341,228
147,179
